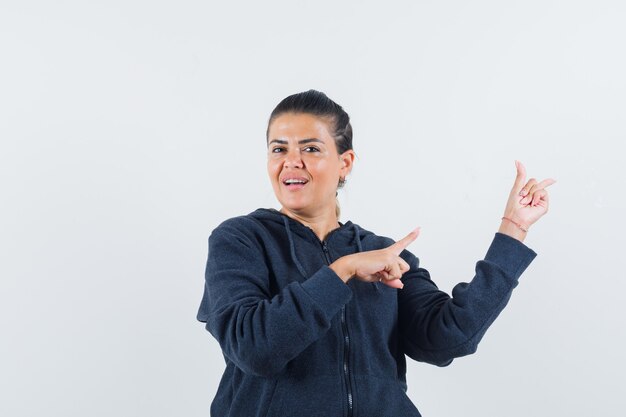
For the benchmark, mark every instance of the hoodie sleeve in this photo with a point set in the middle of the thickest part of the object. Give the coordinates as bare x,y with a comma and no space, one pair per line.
436,328
258,332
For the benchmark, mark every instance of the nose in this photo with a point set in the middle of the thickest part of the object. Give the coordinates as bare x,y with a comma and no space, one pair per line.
293,159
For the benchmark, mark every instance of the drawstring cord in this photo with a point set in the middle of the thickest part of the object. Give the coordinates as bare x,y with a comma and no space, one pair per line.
292,248
357,237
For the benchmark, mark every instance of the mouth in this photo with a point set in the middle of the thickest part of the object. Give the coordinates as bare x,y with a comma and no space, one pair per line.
295,183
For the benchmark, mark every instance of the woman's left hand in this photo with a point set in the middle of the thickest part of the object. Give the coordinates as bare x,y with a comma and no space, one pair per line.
528,201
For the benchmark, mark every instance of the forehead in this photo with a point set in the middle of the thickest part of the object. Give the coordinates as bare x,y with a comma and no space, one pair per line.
299,126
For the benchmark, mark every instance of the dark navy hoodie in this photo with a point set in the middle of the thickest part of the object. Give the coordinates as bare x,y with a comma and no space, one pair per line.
298,341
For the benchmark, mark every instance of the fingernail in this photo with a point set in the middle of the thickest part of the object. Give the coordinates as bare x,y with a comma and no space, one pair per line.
522,193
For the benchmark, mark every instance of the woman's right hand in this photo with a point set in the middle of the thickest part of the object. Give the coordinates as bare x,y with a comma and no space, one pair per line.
384,265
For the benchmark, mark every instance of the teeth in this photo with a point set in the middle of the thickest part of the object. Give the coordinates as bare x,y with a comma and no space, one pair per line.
294,181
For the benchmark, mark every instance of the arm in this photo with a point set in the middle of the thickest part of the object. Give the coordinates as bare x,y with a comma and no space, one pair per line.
435,327
261,333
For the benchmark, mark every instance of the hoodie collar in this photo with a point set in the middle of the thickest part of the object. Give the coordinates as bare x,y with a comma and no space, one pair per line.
344,230
346,234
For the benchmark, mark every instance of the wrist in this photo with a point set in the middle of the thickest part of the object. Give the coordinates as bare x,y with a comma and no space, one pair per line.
513,229
343,268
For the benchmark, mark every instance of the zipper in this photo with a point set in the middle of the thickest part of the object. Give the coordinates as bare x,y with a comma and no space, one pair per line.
346,355
346,341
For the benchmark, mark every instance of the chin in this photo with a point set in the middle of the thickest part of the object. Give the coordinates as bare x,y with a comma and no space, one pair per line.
296,204
294,207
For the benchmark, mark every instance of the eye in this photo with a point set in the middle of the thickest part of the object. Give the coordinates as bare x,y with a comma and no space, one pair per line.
311,149
277,149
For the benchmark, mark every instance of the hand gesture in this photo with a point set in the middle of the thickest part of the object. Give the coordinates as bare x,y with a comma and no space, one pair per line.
384,265
528,201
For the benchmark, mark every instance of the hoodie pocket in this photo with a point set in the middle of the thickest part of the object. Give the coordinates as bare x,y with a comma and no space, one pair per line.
382,397
315,396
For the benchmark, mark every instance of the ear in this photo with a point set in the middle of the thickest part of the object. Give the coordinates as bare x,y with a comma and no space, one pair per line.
347,161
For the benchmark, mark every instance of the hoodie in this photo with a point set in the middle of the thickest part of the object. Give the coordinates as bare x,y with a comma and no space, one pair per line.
297,340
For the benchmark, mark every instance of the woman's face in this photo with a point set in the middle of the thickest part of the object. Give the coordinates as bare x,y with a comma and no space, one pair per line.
303,163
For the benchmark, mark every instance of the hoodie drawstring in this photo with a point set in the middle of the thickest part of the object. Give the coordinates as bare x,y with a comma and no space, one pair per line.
357,237
292,248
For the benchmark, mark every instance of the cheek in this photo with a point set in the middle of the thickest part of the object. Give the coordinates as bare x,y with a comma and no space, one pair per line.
272,168
325,170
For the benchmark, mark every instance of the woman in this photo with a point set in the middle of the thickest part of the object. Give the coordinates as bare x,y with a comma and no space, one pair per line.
315,316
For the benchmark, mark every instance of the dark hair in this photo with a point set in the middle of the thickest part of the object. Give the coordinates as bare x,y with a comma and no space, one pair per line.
318,104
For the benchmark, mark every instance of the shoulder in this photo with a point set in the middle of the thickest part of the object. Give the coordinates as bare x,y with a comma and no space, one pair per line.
241,223
244,226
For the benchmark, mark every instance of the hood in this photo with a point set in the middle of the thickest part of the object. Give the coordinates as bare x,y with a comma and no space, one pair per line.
346,235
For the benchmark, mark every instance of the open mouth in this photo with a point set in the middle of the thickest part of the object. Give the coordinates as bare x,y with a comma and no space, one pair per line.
295,183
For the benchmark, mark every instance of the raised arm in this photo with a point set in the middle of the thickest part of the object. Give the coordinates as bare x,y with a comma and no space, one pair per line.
436,327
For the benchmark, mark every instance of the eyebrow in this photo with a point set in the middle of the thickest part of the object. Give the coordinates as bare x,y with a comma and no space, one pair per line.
301,142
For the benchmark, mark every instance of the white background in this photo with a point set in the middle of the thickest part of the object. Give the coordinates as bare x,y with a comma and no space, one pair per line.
130,129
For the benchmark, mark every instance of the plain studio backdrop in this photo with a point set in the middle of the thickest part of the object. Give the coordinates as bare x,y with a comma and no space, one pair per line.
130,129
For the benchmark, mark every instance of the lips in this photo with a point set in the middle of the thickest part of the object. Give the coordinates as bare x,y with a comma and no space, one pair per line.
294,182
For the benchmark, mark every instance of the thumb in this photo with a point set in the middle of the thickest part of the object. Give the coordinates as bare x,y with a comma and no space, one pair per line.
394,283
400,245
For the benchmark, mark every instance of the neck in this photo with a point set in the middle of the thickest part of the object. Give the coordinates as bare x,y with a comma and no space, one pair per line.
321,224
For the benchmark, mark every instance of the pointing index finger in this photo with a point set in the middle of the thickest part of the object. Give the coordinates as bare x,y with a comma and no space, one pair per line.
545,183
401,244
520,178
